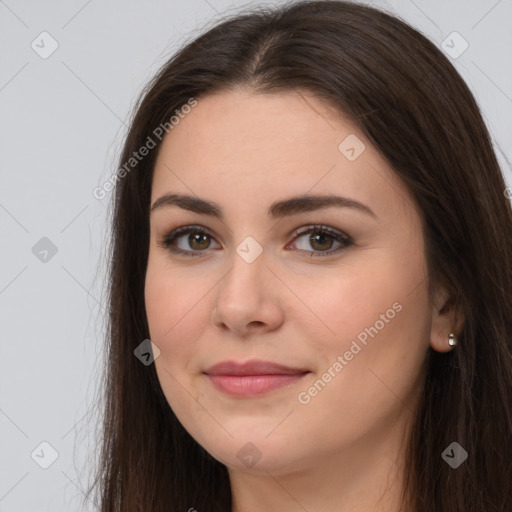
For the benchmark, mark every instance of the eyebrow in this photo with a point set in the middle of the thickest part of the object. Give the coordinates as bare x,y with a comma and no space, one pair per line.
279,209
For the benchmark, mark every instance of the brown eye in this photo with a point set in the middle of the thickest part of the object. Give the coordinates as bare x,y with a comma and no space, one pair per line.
321,240
197,241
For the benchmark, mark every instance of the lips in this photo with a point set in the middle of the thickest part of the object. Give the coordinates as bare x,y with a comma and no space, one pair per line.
252,368
252,377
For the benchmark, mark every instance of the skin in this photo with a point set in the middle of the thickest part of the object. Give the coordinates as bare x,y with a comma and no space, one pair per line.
343,450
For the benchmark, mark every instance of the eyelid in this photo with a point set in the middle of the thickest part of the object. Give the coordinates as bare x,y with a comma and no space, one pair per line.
338,235
321,228
174,234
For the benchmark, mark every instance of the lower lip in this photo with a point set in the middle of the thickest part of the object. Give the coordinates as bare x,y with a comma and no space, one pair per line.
252,385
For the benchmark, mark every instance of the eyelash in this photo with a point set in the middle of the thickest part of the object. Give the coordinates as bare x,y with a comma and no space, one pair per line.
168,241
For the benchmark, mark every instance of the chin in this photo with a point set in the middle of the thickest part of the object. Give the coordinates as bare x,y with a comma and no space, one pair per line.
255,453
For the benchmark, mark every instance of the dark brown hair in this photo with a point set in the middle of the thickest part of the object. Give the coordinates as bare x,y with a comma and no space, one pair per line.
410,102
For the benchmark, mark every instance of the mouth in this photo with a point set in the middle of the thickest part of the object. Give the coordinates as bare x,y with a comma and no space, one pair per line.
252,378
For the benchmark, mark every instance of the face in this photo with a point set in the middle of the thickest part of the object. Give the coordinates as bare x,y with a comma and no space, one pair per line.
264,270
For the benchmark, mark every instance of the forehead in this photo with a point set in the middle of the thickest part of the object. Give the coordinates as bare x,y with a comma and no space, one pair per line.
231,125
240,147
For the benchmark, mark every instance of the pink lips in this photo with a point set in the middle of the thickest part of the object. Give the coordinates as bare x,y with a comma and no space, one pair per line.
252,378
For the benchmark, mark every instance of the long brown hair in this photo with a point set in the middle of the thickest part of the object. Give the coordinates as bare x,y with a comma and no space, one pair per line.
408,99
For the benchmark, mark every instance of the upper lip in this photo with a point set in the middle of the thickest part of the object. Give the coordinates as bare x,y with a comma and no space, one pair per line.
254,367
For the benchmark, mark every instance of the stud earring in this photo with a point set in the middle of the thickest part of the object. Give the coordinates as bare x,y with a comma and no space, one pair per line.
452,340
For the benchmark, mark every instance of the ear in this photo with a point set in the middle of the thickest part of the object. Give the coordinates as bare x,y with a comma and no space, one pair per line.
446,319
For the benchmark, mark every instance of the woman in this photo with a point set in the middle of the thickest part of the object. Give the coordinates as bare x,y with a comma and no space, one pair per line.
311,228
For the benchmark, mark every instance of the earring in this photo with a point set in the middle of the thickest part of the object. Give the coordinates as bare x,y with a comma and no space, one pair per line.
452,340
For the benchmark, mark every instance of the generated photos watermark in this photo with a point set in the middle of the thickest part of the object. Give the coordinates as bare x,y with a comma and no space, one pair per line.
158,133
304,397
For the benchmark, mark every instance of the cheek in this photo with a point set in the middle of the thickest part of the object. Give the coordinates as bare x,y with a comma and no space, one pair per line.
369,372
175,314
352,306
376,312
377,341
176,318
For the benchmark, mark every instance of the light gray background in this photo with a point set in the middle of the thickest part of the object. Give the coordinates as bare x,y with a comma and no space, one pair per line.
62,121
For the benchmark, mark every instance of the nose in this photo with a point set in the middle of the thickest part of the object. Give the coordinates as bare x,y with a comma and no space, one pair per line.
248,298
